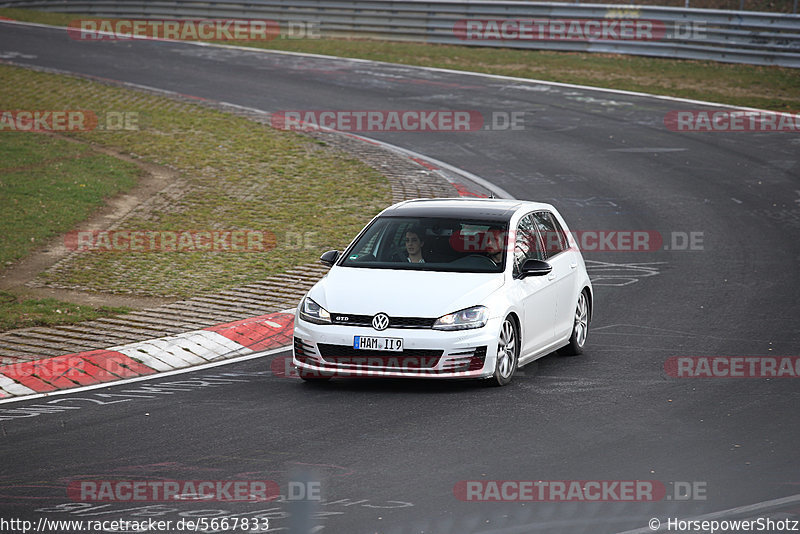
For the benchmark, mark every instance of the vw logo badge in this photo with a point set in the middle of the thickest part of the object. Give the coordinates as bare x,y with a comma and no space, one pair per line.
380,321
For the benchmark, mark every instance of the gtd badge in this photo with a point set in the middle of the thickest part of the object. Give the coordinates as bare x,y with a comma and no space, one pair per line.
380,322
341,318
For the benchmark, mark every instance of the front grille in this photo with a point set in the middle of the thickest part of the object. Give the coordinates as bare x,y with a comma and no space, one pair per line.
347,356
394,322
411,322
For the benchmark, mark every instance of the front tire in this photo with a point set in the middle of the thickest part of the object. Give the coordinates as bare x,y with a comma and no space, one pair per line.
580,328
507,354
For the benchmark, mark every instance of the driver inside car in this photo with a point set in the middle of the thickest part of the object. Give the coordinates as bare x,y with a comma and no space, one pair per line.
493,244
414,246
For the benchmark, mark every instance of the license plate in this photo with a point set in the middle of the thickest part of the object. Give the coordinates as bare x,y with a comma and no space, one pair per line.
392,344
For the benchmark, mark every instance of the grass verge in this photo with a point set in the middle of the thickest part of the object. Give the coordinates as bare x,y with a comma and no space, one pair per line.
773,88
233,174
21,313
47,185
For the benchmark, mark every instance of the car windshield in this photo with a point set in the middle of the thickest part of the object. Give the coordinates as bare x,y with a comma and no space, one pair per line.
431,244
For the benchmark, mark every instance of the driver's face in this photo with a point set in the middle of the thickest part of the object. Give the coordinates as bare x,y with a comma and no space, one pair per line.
413,243
494,242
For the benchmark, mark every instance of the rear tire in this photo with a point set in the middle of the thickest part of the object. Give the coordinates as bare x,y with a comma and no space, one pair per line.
580,328
507,354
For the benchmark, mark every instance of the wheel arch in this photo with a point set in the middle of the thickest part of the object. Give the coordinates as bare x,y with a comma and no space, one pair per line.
518,325
590,298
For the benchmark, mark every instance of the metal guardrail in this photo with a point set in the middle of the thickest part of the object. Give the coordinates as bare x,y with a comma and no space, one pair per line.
702,34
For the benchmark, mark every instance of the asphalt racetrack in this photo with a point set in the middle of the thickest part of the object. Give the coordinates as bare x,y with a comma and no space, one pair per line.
390,456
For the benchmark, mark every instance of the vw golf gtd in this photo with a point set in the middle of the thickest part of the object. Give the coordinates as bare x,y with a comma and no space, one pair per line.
447,288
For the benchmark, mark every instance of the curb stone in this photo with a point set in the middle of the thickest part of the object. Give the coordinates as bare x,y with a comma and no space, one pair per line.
219,342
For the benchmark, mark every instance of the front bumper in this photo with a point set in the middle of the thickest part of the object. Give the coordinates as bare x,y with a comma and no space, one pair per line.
327,350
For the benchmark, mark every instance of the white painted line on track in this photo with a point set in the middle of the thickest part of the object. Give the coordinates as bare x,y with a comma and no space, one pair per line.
498,191
165,355
432,69
443,70
163,361
173,372
747,509
501,77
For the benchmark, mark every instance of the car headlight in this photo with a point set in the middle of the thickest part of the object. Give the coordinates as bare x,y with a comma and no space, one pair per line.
314,313
474,317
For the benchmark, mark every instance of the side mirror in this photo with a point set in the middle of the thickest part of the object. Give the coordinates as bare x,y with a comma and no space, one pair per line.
329,258
533,267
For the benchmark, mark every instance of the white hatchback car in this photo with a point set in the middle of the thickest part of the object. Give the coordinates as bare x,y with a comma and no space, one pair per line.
447,288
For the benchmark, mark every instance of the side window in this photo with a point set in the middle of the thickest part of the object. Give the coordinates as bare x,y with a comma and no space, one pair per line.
526,243
555,240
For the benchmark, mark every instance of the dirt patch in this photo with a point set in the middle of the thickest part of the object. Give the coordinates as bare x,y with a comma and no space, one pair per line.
14,278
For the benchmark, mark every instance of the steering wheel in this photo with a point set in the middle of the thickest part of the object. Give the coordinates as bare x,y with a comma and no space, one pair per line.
488,261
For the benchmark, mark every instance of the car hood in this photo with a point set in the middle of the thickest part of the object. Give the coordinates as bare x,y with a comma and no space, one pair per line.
402,293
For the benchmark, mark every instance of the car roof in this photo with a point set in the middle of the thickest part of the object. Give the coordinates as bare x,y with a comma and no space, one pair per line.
495,209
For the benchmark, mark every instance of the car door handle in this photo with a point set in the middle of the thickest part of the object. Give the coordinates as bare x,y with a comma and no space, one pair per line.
551,276
573,265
